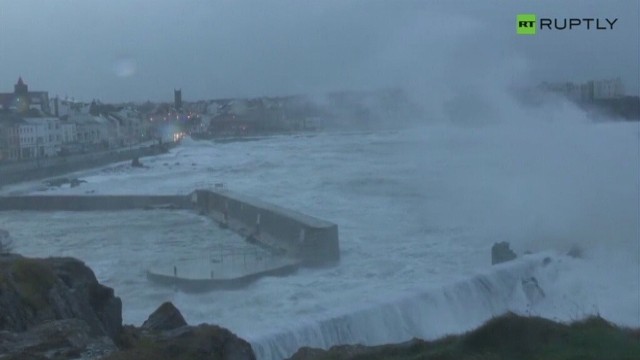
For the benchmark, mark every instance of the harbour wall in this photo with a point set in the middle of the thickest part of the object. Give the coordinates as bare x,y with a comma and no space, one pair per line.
290,233
93,202
310,239
11,173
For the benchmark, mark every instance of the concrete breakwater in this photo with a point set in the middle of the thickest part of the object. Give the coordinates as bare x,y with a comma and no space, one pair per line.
195,279
312,240
291,239
47,167
93,202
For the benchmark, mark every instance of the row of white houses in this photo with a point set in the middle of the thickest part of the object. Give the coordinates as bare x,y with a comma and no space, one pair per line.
23,137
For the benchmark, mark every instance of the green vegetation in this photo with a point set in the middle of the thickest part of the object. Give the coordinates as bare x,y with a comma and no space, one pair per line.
201,342
33,279
6,244
506,337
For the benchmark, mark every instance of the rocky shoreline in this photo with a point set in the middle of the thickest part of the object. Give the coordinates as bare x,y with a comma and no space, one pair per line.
55,308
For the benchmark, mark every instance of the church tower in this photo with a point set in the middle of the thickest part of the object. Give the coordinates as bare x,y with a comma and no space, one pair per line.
20,88
21,96
177,99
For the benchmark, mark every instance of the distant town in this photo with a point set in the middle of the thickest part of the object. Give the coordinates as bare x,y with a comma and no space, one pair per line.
34,126
598,97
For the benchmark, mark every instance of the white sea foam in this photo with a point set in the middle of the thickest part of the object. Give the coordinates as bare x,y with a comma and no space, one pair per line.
418,212
429,313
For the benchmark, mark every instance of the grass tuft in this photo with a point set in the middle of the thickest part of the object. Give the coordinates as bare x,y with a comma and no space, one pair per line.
33,279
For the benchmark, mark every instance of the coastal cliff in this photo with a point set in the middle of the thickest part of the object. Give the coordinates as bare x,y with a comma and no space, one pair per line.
509,336
55,308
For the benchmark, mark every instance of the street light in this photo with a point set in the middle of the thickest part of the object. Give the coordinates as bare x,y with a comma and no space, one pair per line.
38,145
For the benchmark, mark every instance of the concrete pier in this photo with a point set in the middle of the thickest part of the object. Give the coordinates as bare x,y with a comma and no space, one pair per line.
312,240
282,239
93,202
230,273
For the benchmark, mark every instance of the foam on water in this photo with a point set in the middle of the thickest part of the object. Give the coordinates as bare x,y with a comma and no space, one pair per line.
417,211
534,285
427,314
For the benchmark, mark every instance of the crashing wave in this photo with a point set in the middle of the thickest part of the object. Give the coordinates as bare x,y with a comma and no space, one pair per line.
429,314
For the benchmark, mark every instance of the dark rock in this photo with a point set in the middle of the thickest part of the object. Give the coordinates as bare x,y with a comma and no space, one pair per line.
575,252
55,309
166,317
501,252
185,342
136,162
39,290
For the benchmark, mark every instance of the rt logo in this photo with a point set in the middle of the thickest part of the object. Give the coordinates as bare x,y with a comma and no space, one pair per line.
526,24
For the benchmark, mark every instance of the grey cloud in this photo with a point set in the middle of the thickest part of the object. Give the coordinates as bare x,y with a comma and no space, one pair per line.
252,48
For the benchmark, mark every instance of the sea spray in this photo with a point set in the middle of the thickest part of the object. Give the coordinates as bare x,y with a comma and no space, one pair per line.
426,314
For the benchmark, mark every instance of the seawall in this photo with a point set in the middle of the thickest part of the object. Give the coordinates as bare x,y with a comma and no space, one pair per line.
426,312
310,239
286,232
11,173
92,202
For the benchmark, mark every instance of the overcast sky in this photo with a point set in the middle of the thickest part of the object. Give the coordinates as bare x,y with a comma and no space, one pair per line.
121,50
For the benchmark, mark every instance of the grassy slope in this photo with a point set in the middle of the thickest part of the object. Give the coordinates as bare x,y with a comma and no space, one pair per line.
506,337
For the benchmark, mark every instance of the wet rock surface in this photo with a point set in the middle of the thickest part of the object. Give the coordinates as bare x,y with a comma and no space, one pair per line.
55,308
501,252
73,182
166,317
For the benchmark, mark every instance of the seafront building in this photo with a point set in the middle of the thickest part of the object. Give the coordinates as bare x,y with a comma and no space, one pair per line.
22,100
589,91
34,126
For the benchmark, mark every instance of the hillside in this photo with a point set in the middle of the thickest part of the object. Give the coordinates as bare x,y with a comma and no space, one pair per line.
506,337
